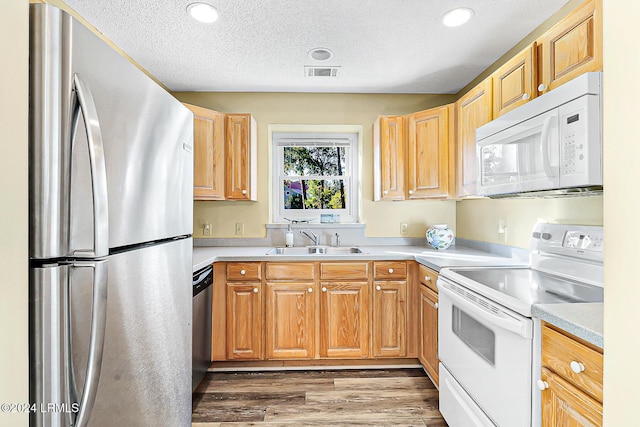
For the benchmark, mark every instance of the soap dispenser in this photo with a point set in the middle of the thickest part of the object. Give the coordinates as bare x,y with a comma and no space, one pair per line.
289,237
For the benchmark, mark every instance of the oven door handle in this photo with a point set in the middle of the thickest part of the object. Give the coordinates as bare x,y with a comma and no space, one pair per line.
502,319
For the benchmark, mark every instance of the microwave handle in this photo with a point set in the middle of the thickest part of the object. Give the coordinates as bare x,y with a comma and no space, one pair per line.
544,147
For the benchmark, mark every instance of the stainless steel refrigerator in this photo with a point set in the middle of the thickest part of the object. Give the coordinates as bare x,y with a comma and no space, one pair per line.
111,176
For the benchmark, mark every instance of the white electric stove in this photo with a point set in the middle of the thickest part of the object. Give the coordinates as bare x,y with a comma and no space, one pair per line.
489,344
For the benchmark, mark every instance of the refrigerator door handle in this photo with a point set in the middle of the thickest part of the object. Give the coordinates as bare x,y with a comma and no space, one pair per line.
86,103
96,342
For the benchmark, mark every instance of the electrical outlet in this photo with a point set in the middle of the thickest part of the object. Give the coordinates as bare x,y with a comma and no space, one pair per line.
206,229
404,228
502,229
239,228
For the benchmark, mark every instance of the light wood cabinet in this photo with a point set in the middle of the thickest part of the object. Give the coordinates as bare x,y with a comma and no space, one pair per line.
428,310
241,157
428,153
389,152
571,47
571,380
514,82
208,154
244,321
390,318
564,405
290,320
473,110
344,319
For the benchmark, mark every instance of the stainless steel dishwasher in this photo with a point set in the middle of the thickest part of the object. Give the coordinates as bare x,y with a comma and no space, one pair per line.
201,325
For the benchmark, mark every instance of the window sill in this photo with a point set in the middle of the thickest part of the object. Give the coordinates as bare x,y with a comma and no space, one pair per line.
317,225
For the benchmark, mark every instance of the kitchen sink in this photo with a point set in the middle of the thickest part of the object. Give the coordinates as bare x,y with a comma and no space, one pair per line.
317,250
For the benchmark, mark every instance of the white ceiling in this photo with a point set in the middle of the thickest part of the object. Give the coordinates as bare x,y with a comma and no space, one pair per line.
382,46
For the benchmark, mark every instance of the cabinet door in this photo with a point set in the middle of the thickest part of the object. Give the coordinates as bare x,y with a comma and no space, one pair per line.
241,147
473,110
244,321
513,83
571,47
208,154
429,332
390,319
290,320
344,319
565,405
428,153
388,158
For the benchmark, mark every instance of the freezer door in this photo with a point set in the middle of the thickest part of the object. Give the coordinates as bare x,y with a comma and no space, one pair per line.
146,366
146,134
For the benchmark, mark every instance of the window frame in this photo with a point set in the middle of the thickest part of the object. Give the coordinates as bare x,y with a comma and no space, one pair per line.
284,138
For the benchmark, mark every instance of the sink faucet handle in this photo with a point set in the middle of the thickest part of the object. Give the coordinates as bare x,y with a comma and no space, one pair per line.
337,239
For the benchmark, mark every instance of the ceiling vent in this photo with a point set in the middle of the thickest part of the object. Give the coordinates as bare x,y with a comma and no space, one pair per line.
310,71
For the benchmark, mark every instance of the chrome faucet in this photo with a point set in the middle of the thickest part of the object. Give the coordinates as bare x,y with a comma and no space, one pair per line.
337,239
312,236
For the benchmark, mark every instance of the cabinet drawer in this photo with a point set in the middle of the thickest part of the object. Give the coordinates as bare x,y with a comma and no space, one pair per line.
558,353
390,270
289,271
244,271
428,277
344,271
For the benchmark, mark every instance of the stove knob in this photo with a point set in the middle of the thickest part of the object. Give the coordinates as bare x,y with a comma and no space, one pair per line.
546,236
542,385
577,367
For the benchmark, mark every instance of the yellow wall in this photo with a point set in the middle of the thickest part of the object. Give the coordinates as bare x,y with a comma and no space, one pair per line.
14,344
621,212
382,219
478,219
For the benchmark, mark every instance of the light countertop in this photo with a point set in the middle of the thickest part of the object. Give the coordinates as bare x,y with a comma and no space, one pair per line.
582,320
454,256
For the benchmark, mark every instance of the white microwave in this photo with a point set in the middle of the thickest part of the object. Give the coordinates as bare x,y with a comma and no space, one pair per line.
553,142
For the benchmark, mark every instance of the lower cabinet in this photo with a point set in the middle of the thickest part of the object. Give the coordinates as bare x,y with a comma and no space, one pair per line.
390,319
344,319
290,320
244,321
566,405
429,332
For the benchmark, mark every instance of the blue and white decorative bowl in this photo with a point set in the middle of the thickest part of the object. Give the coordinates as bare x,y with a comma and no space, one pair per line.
440,236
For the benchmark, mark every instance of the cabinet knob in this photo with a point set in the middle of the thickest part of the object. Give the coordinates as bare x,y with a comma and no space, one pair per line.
255,290
324,289
542,87
243,272
410,191
435,304
385,192
310,290
542,385
244,191
378,288
525,96
391,271
427,278
576,367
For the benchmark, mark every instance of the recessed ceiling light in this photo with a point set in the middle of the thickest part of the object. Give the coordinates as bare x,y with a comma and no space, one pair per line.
456,17
203,12
320,54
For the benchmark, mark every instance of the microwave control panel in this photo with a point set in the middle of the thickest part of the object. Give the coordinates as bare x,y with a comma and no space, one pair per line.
573,153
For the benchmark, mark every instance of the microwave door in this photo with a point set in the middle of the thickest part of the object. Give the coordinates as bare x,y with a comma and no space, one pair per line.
521,158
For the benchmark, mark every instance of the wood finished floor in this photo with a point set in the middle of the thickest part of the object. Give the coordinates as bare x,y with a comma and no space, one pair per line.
393,397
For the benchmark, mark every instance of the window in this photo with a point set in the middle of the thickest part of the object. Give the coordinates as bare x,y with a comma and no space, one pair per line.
315,173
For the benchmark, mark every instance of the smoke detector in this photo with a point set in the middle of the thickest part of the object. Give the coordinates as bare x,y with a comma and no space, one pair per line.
316,71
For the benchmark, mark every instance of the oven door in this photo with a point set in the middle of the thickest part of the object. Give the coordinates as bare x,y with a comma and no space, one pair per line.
488,350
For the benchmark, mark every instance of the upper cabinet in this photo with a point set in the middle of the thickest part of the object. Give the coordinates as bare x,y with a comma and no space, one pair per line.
389,151
571,47
473,110
428,153
208,157
514,82
241,151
